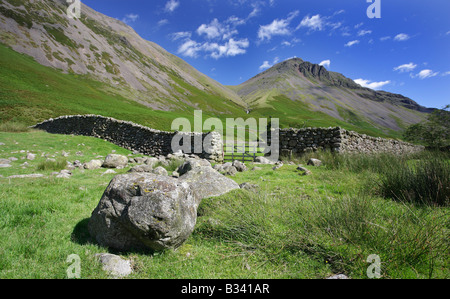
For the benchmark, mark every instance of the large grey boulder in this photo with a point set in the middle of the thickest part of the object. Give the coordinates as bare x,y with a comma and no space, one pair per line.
207,182
144,210
115,161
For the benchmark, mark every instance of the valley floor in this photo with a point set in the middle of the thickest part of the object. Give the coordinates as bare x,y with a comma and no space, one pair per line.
293,226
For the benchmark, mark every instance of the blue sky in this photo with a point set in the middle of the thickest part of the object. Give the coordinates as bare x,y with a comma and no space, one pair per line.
405,51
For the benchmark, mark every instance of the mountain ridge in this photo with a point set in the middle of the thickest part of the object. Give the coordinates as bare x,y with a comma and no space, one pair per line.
109,51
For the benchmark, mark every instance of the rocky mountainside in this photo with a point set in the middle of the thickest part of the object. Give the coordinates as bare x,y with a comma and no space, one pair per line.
107,50
331,93
96,48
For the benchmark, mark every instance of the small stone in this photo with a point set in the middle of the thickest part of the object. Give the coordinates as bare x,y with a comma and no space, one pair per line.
114,264
314,162
31,156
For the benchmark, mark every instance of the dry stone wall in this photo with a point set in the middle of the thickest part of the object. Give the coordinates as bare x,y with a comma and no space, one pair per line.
154,142
297,141
128,134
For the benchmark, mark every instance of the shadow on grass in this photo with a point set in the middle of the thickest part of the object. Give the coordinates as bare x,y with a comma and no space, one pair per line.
81,235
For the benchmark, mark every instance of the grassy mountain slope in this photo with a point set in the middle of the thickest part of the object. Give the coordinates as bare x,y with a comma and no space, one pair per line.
302,94
106,50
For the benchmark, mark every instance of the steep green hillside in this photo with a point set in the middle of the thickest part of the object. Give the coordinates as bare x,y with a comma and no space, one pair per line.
30,93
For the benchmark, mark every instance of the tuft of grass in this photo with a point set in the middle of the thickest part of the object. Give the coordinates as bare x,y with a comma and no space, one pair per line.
56,165
14,127
424,182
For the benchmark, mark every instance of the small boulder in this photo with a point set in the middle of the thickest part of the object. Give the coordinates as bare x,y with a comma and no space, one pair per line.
141,168
31,156
93,164
303,170
115,161
239,166
314,162
191,163
263,160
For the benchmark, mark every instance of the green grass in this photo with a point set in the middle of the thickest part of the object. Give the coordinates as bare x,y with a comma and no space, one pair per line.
294,227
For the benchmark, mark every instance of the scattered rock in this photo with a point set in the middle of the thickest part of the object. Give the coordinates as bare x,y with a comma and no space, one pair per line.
5,165
93,164
144,210
249,186
277,166
239,166
64,174
304,170
12,159
21,176
31,156
141,168
338,276
207,182
114,264
151,161
79,153
256,168
314,162
263,160
191,163
1,143
160,171
108,171
115,161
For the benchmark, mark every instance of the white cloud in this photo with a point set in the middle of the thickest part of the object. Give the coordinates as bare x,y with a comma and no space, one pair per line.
212,30
351,43
277,27
267,65
423,74
180,35
171,5
371,85
190,48
225,30
325,63
445,74
313,23
130,18
409,67
402,37
364,32
384,38
232,47
163,22
358,25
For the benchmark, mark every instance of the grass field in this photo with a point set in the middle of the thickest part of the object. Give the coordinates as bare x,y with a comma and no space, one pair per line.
294,227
